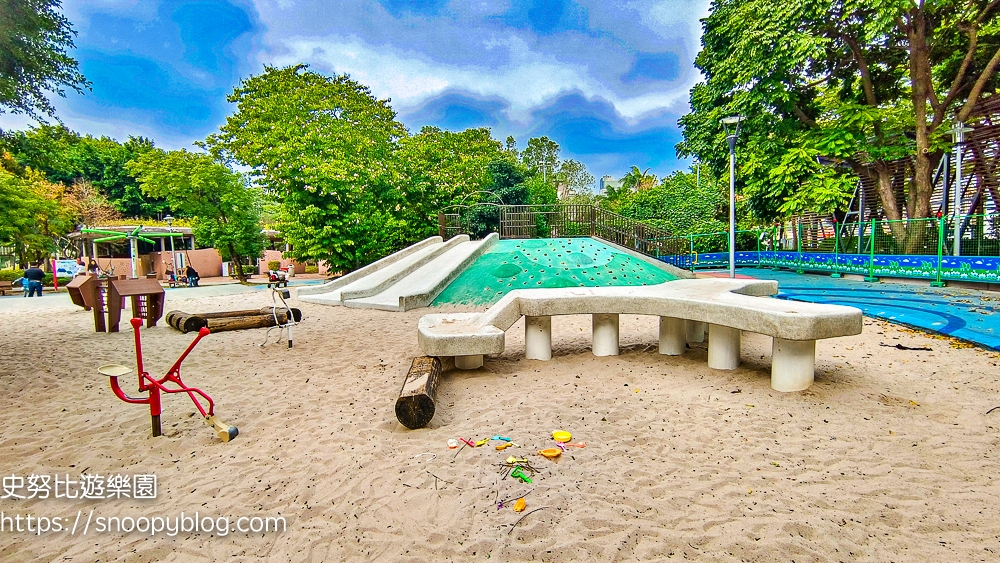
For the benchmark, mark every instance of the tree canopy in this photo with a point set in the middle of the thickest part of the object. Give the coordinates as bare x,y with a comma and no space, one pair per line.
225,211
67,157
857,84
323,146
34,42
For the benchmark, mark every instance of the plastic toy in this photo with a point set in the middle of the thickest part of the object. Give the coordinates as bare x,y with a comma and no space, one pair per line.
504,438
452,444
154,387
482,442
512,460
561,436
520,505
502,447
518,474
550,453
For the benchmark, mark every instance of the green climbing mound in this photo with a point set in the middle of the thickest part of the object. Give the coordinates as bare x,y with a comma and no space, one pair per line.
558,262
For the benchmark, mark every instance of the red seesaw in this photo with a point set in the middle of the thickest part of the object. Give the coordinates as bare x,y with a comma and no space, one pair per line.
154,387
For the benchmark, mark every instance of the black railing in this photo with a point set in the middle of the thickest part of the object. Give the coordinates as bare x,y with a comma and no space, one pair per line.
557,221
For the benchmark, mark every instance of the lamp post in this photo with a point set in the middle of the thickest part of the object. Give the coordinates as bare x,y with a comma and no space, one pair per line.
958,131
697,167
734,123
173,257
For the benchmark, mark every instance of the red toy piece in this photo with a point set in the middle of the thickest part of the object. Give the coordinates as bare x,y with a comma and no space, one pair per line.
154,387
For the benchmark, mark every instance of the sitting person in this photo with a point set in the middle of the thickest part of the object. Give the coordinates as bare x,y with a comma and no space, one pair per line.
22,283
192,276
93,268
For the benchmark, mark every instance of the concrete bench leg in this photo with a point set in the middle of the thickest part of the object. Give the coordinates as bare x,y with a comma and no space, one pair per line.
695,331
672,336
469,362
793,364
606,334
538,338
723,347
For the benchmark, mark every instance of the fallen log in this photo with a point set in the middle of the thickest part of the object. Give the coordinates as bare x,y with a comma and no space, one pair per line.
415,405
231,320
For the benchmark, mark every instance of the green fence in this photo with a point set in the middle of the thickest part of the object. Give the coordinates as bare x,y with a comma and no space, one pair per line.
915,248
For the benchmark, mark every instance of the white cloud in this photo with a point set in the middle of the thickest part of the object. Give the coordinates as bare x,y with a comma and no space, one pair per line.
528,80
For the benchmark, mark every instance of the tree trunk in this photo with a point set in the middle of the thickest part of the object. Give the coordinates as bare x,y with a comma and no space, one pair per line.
921,84
238,261
415,405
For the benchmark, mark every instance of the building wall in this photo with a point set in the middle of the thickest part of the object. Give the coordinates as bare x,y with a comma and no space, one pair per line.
207,261
285,262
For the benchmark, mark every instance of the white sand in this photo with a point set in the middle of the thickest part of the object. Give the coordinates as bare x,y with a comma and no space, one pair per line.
889,456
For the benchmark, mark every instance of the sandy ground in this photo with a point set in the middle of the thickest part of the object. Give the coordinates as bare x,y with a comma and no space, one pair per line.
890,456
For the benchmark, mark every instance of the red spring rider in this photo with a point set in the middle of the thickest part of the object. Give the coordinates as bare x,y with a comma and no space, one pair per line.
154,387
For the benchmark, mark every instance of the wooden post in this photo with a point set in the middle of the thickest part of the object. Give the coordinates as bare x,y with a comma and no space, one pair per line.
442,226
415,405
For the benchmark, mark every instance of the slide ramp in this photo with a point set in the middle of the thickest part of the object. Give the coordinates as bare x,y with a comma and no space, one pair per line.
420,286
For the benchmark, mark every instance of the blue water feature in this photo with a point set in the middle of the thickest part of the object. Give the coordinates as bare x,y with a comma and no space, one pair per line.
966,314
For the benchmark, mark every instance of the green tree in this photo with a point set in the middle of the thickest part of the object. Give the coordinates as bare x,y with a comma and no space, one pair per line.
66,157
440,169
225,211
859,83
506,187
638,180
678,204
33,211
34,41
541,156
323,146
574,175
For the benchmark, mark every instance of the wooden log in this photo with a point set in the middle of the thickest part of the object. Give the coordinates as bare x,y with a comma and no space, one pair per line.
415,405
257,320
185,322
230,320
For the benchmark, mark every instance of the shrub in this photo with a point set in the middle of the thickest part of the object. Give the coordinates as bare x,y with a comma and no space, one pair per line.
273,264
312,269
11,275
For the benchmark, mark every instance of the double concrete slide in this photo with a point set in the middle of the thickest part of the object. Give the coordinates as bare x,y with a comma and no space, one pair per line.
408,279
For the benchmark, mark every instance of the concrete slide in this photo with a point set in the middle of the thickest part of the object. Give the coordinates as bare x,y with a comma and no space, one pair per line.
408,279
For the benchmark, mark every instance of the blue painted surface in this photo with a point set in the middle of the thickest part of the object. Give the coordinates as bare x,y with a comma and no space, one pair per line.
966,314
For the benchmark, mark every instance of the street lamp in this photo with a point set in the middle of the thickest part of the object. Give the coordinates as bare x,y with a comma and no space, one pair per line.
173,257
697,167
958,131
733,123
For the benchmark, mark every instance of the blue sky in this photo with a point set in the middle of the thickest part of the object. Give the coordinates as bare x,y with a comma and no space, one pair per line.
606,80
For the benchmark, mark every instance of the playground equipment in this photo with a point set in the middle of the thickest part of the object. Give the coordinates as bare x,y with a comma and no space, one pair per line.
275,316
107,296
133,238
154,387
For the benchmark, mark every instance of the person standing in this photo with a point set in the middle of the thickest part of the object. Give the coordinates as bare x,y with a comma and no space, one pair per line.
192,276
35,277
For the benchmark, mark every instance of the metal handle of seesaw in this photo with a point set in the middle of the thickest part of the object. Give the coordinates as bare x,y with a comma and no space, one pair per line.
155,386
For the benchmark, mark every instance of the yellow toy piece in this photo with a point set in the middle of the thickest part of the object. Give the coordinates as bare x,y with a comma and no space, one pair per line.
482,442
550,453
520,505
512,460
561,436
225,431
502,447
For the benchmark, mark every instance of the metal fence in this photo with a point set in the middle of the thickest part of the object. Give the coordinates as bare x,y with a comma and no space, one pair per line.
914,248
551,221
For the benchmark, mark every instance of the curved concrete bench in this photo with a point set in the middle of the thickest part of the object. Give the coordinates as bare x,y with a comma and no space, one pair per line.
684,306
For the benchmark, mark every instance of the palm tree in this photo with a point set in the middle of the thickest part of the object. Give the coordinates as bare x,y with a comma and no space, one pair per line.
638,179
